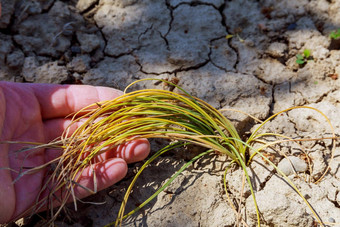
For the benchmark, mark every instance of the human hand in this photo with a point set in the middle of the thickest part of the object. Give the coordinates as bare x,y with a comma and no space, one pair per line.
36,113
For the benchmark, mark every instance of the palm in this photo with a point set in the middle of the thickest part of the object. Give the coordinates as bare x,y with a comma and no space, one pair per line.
37,113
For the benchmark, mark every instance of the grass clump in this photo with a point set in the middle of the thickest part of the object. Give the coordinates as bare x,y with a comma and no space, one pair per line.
152,113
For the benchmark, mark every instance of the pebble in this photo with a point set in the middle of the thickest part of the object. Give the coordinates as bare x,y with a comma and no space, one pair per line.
15,59
295,163
277,49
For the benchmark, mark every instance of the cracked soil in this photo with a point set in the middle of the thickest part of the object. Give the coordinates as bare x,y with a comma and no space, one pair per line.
115,42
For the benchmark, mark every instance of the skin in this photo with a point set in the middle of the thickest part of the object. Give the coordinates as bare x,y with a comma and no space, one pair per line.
36,112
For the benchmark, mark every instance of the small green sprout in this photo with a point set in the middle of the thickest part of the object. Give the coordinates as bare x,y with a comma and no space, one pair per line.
304,57
229,36
335,34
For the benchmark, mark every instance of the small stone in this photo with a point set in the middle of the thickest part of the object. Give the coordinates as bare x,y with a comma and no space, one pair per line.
15,59
277,50
331,220
80,64
294,165
29,68
51,72
88,42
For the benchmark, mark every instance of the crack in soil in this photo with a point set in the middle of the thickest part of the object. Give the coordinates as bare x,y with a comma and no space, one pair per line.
94,6
185,69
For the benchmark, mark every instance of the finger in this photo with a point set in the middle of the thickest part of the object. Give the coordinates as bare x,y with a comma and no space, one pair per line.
62,100
110,170
93,178
56,127
132,151
100,175
53,129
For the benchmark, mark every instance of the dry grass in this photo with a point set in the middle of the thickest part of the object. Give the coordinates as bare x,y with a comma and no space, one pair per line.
150,113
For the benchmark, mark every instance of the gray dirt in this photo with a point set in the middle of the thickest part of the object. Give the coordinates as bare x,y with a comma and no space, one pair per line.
115,42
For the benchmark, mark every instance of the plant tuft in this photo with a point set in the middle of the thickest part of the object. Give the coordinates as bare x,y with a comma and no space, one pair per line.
335,34
303,58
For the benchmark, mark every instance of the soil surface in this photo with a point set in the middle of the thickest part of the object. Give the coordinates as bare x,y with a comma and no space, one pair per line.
238,54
